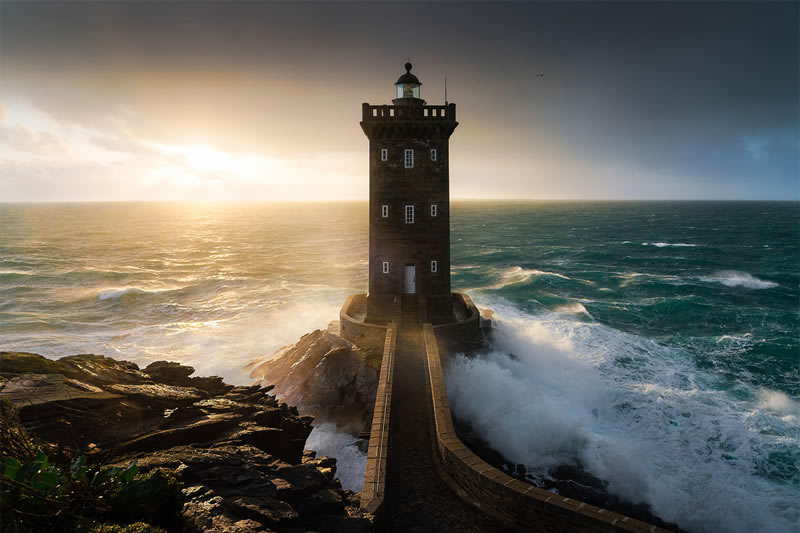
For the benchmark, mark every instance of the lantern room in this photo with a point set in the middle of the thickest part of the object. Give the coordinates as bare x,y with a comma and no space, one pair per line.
407,85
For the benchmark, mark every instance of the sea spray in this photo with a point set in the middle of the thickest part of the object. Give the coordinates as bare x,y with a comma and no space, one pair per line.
637,414
732,278
326,439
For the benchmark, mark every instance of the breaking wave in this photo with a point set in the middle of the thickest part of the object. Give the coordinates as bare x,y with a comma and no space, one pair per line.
665,244
575,308
518,274
111,294
734,278
638,414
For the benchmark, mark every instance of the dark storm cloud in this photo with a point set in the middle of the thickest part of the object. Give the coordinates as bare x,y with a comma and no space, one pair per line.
704,92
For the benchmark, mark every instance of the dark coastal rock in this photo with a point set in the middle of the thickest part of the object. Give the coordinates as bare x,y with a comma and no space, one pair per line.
199,432
169,372
262,509
327,377
205,512
100,370
173,373
159,394
236,452
28,390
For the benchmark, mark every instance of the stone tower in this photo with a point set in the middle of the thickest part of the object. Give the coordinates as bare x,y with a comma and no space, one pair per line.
409,205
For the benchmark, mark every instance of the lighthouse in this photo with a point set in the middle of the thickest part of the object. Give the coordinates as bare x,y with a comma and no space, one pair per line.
409,206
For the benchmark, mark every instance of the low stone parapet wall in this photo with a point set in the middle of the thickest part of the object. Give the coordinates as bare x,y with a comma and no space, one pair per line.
466,330
519,505
354,329
375,474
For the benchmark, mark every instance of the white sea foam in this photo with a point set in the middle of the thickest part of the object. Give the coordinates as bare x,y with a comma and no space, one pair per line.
109,294
15,272
638,414
518,274
574,308
351,462
635,277
665,244
217,335
734,278
778,401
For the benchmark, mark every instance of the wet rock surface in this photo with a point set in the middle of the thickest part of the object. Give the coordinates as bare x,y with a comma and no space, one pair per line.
236,451
325,376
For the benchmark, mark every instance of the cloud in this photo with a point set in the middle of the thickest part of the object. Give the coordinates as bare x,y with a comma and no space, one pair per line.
3,113
622,88
31,142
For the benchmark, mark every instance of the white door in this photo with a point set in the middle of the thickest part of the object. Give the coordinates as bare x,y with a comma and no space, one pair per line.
410,286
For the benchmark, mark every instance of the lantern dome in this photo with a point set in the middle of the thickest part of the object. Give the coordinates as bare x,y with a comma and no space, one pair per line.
407,85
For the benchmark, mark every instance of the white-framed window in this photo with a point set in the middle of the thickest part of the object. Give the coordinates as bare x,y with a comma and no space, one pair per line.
386,267
434,266
409,214
385,211
384,154
434,154
434,210
409,158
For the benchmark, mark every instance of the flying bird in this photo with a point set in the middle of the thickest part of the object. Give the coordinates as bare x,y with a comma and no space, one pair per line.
540,75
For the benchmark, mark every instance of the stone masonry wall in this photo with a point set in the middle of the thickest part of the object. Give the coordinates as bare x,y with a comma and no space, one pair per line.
356,330
375,474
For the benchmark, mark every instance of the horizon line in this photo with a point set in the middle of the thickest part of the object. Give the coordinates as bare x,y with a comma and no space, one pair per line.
462,199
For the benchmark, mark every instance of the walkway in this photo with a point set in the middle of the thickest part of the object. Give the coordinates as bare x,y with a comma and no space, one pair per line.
417,500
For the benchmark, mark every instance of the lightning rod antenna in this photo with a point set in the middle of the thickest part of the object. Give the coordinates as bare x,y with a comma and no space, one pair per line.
445,80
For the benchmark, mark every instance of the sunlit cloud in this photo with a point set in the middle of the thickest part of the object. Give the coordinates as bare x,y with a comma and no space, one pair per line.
31,142
171,107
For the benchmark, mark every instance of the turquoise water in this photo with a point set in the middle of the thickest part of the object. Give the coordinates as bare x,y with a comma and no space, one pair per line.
658,344
719,280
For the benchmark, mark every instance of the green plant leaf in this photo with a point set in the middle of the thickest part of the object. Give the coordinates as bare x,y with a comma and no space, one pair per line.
80,474
43,460
127,474
11,467
45,481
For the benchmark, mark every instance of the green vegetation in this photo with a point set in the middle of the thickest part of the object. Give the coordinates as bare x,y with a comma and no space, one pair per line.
41,493
27,363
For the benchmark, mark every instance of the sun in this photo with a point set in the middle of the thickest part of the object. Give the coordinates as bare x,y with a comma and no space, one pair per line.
203,157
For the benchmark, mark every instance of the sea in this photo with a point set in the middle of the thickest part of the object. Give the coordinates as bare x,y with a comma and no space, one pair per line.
656,344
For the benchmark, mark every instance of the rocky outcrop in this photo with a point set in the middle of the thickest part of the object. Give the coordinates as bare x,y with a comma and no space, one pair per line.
237,452
327,377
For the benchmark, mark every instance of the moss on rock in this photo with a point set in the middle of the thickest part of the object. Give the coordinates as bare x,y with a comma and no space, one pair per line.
27,363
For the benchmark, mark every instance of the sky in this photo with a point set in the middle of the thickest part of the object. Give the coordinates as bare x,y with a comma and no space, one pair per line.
249,101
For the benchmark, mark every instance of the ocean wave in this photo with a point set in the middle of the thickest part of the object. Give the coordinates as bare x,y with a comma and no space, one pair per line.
734,278
638,414
15,273
746,338
111,294
490,251
665,244
637,277
575,308
518,274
